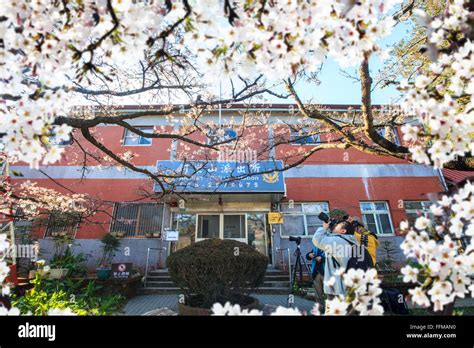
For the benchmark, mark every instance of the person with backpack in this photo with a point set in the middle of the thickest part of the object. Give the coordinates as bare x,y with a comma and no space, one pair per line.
316,256
365,238
330,242
342,251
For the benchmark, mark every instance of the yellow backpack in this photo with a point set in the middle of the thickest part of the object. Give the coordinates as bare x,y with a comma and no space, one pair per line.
367,239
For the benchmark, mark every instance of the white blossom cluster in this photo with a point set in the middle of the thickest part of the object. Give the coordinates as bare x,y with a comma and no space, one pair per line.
444,253
32,199
4,271
443,106
362,297
284,36
45,48
363,291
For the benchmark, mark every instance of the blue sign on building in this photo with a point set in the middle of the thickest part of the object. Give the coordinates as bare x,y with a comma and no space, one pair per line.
222,176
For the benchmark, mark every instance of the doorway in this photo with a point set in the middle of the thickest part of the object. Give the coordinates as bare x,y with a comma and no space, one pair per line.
249,228
223,226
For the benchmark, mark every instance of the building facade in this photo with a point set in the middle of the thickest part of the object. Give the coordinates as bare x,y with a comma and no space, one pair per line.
381,191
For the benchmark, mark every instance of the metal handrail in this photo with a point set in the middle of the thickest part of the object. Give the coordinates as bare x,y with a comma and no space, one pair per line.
148,258
289,261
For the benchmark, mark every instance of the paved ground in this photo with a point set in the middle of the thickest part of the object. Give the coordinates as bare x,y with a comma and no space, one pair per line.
145,303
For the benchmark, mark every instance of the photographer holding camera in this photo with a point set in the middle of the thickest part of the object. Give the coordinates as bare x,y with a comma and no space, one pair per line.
333,238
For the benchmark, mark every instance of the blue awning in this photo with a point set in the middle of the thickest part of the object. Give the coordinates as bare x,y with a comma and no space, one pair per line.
222,177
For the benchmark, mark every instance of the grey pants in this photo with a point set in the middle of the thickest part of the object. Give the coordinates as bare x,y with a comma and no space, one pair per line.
318,287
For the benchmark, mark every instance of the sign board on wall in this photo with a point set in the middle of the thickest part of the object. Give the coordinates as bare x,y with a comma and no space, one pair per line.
222,176
171,235
121,270
275,218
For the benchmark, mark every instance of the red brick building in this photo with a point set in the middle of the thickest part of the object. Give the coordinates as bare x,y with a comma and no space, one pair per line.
381,190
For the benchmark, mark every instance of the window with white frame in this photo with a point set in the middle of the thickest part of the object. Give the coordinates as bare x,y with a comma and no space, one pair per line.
376,216
389,133
137,219
132,139
301,219
414,209
304,137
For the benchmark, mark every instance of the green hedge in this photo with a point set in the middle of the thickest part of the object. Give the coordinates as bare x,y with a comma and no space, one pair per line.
216,270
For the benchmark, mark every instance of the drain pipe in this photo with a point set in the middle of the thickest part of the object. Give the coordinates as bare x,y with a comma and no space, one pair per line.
443,181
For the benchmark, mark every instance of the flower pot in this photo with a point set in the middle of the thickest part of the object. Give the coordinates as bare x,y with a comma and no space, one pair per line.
57,273
148,235
156,235
198,311
103,273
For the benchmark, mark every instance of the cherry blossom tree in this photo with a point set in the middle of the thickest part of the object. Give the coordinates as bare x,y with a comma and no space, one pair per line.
53,56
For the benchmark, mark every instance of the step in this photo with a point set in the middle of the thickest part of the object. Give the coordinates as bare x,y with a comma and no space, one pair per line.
158,290
158,278
169,283
276,278
165,290
276,271
151,284
276,284
158,272
272,290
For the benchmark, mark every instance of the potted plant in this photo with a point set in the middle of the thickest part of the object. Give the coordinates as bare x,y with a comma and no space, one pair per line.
209,271
57,273
148,235
118,234
110,245
156,234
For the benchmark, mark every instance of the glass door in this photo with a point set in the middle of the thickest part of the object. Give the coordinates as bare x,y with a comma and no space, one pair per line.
208,226
234,227
185,224
223,226
257,232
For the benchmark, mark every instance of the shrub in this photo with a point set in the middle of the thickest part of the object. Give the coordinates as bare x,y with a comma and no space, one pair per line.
82,300
110,244
74,263
216,270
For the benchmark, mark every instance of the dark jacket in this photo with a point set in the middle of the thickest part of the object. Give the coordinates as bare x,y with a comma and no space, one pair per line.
316,267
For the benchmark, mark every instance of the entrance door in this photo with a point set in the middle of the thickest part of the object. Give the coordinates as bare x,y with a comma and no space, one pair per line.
208,226
234,227
224,226
185,224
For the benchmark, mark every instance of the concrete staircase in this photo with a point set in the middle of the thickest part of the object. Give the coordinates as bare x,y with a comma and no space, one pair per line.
159,282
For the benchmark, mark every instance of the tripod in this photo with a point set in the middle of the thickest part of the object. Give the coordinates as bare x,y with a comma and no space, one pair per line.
299,262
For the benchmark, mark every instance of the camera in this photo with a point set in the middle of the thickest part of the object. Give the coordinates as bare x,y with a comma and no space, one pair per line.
295,239
325,217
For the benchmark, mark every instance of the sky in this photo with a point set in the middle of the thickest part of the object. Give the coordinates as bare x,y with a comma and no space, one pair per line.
335,88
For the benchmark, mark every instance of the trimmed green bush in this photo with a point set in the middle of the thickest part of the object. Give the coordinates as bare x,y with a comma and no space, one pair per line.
216,270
